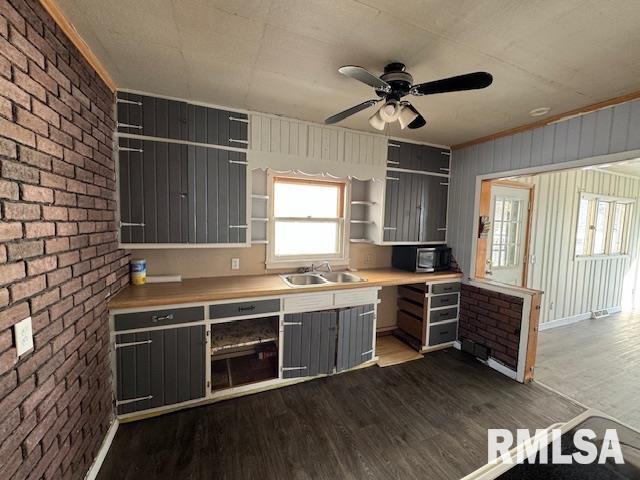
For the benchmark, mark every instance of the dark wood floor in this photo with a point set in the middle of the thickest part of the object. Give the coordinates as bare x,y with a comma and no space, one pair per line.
423,419
596,362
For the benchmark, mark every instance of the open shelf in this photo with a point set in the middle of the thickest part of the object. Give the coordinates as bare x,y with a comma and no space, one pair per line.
243,333
244,368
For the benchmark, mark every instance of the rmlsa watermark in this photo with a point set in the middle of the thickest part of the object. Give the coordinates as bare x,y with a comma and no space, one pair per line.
501,441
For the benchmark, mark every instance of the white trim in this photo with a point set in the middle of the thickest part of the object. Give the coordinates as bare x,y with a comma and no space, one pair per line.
501,368
180,142
419,172
94,469
160,246
562,322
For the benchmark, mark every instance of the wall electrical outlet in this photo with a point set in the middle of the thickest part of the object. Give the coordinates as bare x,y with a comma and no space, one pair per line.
235,264
24,336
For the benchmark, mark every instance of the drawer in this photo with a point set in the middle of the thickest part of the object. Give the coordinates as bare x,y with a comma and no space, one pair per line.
300,303
440,288
237,309
410,324
443,333
444,300
355,297
436,316
158,318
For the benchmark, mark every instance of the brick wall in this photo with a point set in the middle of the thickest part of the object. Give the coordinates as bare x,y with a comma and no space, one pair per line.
58,252
491,319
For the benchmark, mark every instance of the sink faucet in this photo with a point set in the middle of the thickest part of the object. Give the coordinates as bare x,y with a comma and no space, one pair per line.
315,268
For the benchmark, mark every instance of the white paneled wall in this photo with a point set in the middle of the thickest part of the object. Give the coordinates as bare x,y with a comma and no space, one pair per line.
577,286
284,143
611,130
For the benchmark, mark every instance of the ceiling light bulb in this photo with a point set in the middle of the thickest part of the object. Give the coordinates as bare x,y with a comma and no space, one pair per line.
389,111
376,121
407,115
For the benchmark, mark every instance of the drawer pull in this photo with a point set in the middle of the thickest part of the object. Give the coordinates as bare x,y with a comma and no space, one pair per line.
132,400
161,318
127,125
133,344
444,332
247,309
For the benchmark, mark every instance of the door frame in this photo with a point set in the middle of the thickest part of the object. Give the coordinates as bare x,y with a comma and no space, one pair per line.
482,244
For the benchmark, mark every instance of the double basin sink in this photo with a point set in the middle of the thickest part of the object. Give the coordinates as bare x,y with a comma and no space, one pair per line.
316,279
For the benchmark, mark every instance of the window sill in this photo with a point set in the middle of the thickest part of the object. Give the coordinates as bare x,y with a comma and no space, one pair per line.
299,263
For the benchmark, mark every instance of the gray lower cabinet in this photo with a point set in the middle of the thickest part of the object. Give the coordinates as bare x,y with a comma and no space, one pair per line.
355,336
318,343
173,193
309,343
159,368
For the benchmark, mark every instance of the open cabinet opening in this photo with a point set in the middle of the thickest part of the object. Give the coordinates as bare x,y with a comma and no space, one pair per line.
244,352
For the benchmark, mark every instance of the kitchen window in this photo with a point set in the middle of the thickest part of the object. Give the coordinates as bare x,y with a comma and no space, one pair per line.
308,221
602,227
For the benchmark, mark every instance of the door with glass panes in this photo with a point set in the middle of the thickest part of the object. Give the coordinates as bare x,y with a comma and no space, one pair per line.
508,234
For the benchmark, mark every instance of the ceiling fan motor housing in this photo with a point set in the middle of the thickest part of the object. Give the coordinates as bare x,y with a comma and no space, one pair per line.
395,74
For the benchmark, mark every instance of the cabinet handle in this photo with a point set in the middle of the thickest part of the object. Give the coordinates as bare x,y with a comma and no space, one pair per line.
367,352
161,318
367,313
393,162
244,142
286,369
389,228
445,153
127,149
237,119
126,224
127,125
291,324
239,162
132,400
393,178
238,226
445,169
247,309
442,229
444,184
130,102
133,344
395,145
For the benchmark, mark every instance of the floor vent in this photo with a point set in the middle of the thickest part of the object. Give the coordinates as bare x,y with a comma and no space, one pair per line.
600,313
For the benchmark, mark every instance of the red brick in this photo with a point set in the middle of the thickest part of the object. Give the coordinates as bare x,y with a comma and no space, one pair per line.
30,121
10,273
20,172
10,231
8,148
55,213
59,276
39,229
45,145
41,265
55,245
21,211
27,249
52,180
43,301
32,193
27,47
14,93
8,190
35,158
65,229
27,288
46,113
28,84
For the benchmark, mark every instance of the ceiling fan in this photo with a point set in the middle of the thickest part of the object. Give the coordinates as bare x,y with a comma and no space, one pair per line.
396,83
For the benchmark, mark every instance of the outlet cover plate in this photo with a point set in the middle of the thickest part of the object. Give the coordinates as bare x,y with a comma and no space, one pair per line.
24,336
235,264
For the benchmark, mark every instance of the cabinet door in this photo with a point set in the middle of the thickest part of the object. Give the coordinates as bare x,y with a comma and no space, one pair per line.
433,222
153,192
151,116
217,127
403,200
217,195
433,159
159,368
309,344
355,336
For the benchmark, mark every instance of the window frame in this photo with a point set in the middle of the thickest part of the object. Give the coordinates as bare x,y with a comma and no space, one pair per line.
593,200
343,221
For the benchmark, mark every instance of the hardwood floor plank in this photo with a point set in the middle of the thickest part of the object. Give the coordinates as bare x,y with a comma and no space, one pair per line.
426,418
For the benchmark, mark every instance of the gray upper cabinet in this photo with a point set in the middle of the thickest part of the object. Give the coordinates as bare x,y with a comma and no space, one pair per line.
160,367
355,336
403,201
433,221
176,120
309,344
413,156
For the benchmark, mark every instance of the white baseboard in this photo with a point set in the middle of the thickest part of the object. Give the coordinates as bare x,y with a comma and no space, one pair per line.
92,474
561,322
457,345
501,368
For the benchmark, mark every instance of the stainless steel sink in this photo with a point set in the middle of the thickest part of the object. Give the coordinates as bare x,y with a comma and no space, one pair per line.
314,279
342,277
304,279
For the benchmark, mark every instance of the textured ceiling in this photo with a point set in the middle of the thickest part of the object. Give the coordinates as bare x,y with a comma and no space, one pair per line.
281,56
628,167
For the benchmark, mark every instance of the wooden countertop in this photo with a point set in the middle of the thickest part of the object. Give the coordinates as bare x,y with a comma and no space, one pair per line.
197,290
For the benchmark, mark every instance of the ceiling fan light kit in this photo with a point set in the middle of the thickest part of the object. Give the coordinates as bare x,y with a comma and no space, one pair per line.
396,83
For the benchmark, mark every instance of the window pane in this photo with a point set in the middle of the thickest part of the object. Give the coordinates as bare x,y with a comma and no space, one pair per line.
619,215
602,216
306,238
581,234
306,200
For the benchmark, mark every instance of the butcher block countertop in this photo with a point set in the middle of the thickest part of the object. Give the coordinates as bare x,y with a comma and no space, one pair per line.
211,289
